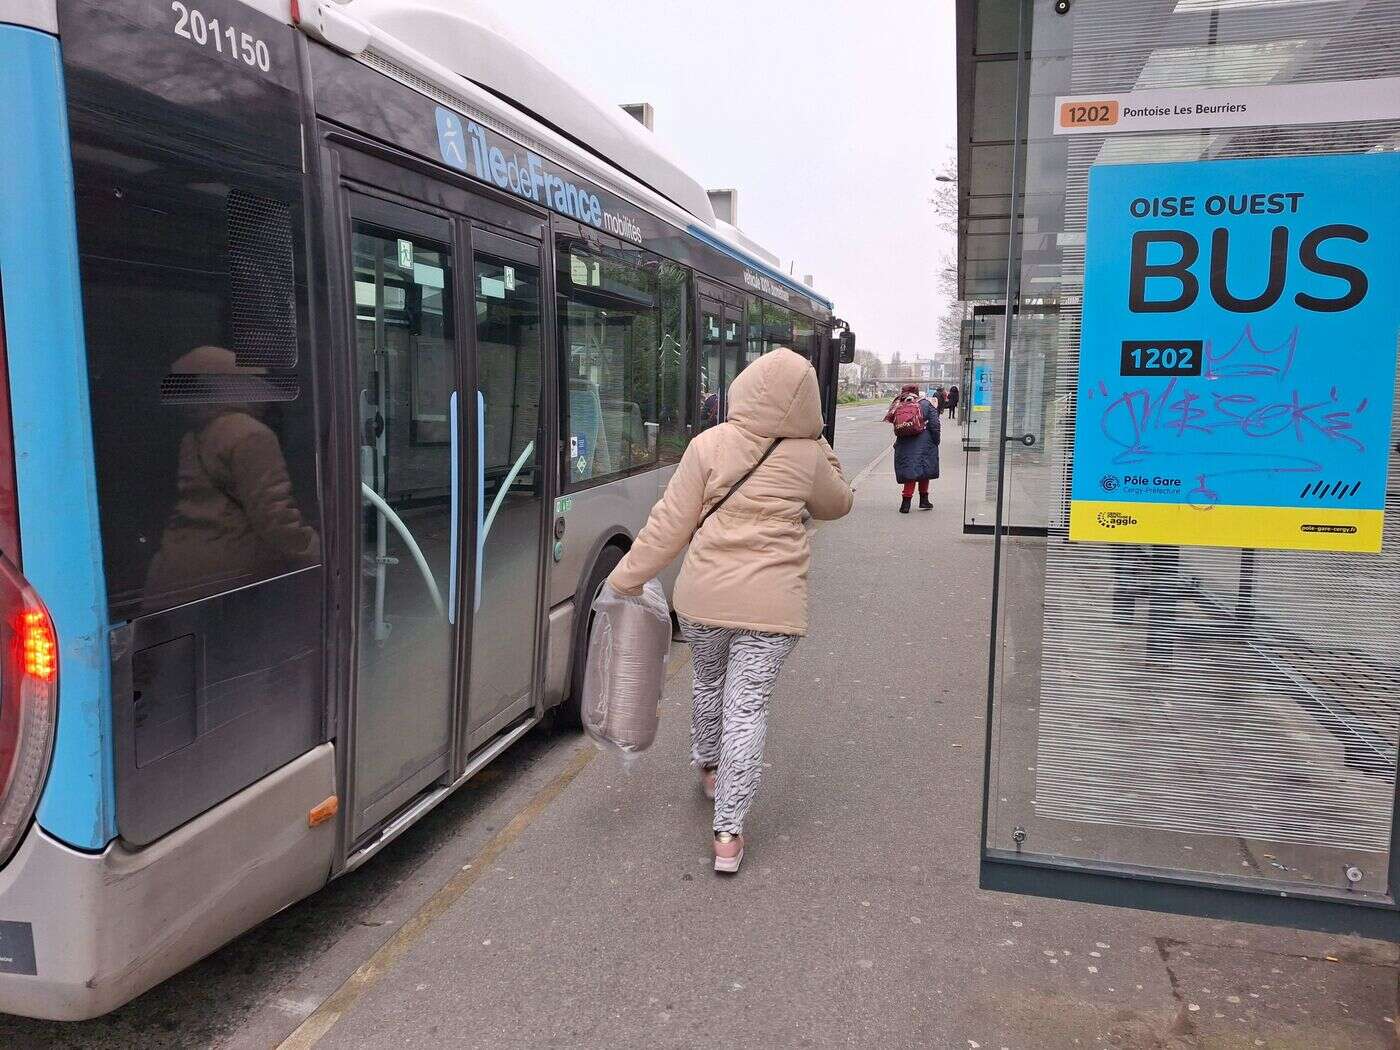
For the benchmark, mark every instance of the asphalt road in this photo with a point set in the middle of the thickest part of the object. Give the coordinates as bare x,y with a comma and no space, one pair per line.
562,900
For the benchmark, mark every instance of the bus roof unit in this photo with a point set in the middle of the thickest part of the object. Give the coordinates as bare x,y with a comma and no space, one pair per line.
467,39
461,49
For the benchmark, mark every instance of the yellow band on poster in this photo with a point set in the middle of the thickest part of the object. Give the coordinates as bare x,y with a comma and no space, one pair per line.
1266,528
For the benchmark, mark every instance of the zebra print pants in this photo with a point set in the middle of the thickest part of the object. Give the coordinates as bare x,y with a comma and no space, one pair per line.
734,676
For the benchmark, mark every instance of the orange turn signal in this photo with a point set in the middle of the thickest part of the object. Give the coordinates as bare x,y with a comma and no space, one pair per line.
322,813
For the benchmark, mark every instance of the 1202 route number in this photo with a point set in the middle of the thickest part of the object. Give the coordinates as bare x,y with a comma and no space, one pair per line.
191,24
1096,114
1177,357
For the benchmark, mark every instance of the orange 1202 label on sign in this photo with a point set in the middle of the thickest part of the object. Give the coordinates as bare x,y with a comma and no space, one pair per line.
1103,114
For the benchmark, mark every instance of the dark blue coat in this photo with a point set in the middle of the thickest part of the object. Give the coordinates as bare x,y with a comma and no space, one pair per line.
916,458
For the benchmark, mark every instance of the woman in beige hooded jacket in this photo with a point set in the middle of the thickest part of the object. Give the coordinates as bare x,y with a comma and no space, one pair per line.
742,592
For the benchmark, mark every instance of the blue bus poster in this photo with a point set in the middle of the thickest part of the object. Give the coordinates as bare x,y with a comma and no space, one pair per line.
981,389
1238,353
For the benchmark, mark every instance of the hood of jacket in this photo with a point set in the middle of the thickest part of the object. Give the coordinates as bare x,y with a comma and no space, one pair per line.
777,397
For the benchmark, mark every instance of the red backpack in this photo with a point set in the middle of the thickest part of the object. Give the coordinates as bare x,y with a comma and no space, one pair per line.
907,415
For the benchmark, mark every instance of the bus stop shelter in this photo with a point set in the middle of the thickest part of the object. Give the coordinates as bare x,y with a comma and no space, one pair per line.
1184,331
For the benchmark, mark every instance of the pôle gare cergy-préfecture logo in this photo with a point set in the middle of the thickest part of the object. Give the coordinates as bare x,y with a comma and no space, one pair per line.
1109,482
1152,485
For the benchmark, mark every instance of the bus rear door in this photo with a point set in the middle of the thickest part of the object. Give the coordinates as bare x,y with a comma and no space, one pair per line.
721,337
445,447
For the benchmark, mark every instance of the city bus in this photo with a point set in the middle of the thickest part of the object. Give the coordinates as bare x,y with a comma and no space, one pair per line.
345,346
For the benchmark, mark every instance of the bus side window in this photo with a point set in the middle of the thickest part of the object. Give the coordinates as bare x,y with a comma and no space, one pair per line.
804,337
674,361
623,327
754,348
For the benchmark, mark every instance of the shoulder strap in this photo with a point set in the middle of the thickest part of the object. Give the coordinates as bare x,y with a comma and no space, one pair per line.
735,487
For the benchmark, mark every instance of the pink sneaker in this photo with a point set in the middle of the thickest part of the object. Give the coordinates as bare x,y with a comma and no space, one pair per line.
729,852
707,781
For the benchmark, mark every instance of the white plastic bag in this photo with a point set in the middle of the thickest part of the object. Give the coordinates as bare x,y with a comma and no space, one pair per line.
626,668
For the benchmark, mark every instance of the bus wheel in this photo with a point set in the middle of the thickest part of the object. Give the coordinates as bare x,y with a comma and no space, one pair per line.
571,710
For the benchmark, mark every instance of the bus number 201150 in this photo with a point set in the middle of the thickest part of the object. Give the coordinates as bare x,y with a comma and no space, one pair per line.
191,24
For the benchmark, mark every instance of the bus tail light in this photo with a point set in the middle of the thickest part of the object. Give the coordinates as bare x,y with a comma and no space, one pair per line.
38,645
28,702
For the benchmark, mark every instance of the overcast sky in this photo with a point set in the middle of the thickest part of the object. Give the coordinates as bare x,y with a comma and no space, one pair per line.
829,116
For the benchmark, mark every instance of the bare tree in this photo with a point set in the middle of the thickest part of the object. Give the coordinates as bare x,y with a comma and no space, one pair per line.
945,194
871,365
948,329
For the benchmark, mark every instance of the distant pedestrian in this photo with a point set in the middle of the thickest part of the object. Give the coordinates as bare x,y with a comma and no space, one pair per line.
954,396
742,593
940,400
916,437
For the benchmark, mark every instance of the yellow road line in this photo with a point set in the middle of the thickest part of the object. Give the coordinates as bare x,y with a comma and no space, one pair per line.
870,467
677,662
313,1029
310,1031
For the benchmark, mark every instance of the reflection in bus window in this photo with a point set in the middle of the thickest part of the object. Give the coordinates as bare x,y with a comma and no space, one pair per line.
754,348
405,364
622,321
711,368
405,347
803,337
508,365
777,327
510,382
771,326
235,516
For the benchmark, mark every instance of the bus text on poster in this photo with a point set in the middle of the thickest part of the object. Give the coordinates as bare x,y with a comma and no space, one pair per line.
1238,353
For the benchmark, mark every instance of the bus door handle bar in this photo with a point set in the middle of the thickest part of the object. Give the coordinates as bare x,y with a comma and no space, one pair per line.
480,493
456,543
378,503
508,481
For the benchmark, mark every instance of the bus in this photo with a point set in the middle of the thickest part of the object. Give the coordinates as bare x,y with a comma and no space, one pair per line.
345,347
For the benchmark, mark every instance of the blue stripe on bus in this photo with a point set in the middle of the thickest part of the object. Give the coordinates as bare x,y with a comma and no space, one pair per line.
53,429
748,260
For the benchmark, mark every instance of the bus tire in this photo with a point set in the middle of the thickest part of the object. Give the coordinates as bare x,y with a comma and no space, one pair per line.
571,710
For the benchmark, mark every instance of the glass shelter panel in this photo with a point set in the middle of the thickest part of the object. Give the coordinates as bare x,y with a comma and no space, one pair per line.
1226,712
983,337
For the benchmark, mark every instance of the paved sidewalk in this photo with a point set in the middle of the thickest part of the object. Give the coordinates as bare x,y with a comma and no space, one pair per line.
856,920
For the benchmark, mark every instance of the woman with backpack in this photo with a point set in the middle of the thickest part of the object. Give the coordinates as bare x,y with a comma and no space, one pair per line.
916,436
738,499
